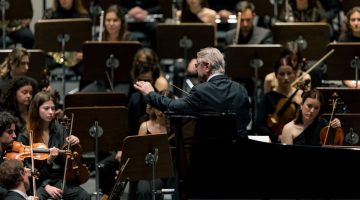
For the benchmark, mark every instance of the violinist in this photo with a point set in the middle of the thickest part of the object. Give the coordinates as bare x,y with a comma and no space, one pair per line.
285,72
306,127
47,130
15,178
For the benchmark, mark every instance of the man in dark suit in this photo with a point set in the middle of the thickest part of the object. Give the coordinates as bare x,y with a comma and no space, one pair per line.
15,178
216,93
249,33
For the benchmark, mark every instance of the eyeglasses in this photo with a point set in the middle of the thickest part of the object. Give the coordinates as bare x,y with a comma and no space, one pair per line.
200,63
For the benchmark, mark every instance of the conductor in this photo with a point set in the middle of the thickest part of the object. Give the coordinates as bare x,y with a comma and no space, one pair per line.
215,93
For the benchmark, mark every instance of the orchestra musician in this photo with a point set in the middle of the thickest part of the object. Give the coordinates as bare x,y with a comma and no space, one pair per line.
16,99
15,178
249,33
216,93
351,33
303,11
15,64
7,136
285,72
50,132
306,127
196,11
270,81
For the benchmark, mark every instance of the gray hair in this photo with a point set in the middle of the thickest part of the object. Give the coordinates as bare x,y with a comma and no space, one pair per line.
214,57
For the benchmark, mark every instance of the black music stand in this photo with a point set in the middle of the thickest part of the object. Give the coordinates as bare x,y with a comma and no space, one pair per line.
185,39
89,99
60,35
255,61
312,37
109,58
149,158
351,127
110,123
348,99
345,63
14,10
37,62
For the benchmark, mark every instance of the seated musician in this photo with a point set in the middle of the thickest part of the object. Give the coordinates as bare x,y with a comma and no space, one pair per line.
47,130
306,127
292,49
284,97
196,11
351,33
15,178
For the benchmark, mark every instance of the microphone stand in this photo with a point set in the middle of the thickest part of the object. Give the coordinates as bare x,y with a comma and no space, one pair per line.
63,38
96,131
112,63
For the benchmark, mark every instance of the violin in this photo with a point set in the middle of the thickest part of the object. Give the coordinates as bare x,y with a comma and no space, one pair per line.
332,136
75,171
285,111
17,150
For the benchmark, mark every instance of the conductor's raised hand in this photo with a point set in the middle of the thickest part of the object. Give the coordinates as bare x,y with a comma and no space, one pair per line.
144,87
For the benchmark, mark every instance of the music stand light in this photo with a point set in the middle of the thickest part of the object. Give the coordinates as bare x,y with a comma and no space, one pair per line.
114,58
345,62
37,62
60,35
312,37
109,123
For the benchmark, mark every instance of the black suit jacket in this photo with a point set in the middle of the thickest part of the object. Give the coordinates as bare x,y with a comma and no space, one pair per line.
219,94
11,195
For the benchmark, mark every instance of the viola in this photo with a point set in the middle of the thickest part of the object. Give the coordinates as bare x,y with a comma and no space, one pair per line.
332,136
17,150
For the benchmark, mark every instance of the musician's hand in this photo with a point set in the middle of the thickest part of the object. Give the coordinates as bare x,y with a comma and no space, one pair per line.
34,198
46,89
144,87
224,15
59,114
73,140
138,13
118,156
53,153
335,123
54,192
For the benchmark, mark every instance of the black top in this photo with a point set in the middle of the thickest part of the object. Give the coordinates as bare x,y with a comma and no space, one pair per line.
311,135
12,195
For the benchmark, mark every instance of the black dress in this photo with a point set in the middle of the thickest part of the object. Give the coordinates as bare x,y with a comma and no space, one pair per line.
311,135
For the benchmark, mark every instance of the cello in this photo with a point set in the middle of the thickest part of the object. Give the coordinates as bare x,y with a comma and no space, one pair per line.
332,136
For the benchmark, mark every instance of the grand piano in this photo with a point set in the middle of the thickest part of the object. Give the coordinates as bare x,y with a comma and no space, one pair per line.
213,166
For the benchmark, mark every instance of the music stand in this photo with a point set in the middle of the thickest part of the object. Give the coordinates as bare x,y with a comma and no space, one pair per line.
351,127
255,60
110,123
60,35
37,62
14,10
185,39
312,37
345,62
348,98
114,58
88,99
149,157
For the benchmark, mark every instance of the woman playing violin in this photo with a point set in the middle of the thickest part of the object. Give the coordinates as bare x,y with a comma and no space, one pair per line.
47,130
285,72
306,127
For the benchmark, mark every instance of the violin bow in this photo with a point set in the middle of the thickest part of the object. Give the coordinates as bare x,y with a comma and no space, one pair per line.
32,162
334,102
67,157
312,67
